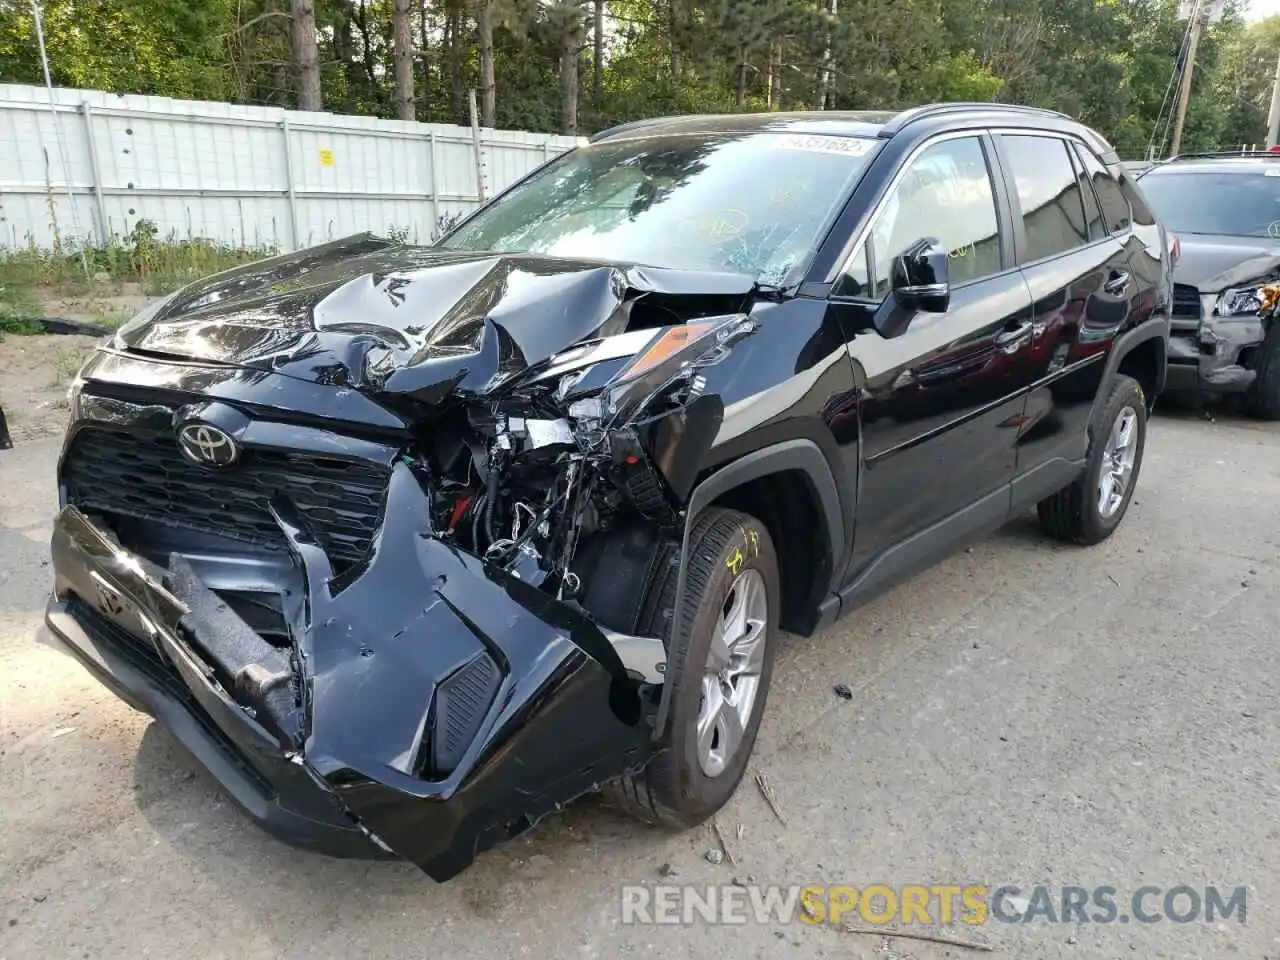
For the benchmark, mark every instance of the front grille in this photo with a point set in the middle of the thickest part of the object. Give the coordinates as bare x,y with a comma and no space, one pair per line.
1186,302
145,658
141,473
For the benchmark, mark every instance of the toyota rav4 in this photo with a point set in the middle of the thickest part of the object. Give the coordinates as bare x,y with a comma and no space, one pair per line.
413,546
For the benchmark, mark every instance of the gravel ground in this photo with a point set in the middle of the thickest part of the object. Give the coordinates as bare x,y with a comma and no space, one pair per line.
1023,713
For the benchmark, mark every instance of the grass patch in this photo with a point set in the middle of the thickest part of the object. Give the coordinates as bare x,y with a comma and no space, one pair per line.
158,265
66,363
19,311
112,319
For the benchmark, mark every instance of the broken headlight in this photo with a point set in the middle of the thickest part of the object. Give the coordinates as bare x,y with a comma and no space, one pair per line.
1239,302
616,378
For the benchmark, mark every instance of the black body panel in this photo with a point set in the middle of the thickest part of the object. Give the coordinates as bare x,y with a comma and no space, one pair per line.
941,401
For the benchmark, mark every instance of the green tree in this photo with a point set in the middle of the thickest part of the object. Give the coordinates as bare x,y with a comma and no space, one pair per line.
165,47
1111,63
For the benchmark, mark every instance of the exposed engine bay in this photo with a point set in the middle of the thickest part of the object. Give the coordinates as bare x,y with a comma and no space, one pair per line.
522,479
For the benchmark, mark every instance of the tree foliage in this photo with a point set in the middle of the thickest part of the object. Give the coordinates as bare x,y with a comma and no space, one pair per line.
578,65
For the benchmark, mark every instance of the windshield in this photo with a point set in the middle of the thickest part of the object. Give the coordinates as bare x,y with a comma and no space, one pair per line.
1217,202
749,203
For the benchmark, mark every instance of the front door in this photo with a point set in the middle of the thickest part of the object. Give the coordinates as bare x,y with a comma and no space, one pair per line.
940,404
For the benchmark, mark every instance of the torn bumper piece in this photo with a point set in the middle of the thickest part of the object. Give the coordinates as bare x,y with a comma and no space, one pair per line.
434,705
1206,356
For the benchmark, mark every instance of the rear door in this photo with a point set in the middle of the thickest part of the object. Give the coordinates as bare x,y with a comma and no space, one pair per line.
939,405
1082,287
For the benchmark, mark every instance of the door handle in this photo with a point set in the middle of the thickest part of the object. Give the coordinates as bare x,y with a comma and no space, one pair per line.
1012,337
1118,283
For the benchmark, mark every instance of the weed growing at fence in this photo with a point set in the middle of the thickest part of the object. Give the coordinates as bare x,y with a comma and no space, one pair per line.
158,265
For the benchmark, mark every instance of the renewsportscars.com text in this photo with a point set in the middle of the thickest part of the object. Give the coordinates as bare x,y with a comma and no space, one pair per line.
930,904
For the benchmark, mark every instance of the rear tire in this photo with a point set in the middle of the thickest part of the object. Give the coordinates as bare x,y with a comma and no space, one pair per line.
1263,398
731,561
1090,509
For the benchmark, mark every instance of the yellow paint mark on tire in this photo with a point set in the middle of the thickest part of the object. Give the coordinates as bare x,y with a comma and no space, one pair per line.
735,560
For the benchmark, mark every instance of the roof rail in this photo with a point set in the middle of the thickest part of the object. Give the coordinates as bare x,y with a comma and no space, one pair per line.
1218,154
910,116
628,127
1212,155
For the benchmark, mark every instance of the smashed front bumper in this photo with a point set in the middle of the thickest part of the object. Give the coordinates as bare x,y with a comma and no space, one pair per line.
430,705
1208,355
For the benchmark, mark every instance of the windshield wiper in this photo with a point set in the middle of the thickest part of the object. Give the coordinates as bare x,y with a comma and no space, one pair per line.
771,291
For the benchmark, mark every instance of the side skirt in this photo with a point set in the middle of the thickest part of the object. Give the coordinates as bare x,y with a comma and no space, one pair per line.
930,546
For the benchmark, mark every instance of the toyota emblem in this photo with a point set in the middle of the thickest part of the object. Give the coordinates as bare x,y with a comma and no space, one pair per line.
207,446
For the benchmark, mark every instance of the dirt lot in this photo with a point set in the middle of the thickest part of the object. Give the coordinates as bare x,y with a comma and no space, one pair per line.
34,375
35,371
1022,714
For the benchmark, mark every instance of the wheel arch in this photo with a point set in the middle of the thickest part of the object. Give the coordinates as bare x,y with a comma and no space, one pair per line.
1142,353
753,483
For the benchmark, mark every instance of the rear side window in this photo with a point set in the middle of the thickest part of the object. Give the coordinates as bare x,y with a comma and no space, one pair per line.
1139,209
1053,214
1115,208
1092,212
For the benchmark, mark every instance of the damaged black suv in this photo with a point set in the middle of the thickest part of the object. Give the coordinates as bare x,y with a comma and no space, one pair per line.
412,546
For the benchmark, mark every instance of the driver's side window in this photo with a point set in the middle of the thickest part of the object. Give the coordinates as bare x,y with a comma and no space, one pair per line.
945,193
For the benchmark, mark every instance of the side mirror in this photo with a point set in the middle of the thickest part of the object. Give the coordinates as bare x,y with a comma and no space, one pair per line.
922,277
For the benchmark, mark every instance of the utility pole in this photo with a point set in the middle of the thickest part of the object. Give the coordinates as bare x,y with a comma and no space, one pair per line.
1199,14
1273,119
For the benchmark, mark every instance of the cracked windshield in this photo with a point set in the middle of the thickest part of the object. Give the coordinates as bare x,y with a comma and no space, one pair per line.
701,203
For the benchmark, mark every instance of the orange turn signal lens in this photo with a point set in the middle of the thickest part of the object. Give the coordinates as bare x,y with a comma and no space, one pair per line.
666,345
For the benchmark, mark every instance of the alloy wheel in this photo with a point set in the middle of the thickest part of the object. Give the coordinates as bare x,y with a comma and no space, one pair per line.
1118,458
732,677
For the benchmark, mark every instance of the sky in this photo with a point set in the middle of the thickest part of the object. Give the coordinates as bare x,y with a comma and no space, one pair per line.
1258,9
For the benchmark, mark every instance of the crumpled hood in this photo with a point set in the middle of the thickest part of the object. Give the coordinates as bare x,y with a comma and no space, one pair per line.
384,317
1213,264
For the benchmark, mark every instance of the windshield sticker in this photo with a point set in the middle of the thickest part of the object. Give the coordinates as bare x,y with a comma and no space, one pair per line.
817,143
1272,173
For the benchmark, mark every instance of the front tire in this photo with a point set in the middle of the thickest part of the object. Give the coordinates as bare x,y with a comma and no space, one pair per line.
1263,398
1090,509
719,666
